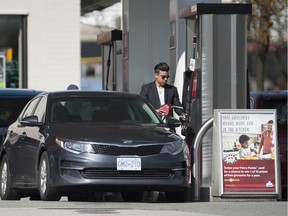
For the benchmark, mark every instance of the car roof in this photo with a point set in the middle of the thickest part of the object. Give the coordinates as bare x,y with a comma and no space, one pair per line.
269,94
81,93
259,98
10,92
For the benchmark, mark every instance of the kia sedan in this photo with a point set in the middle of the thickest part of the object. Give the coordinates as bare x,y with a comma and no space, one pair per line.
70,143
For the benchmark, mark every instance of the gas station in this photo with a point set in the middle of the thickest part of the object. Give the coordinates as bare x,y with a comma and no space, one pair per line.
211,78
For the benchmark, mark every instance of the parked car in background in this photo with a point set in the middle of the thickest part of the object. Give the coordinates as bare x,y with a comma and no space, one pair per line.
12,101
276,100
69,143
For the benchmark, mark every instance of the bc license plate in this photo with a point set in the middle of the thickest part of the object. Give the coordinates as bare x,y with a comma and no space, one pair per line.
128,163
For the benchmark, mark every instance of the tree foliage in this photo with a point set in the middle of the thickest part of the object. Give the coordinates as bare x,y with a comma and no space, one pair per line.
267,27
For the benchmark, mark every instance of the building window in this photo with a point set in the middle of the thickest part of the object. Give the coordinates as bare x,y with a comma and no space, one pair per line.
13,57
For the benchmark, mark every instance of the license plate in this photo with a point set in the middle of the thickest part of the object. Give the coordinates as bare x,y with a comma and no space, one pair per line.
128,163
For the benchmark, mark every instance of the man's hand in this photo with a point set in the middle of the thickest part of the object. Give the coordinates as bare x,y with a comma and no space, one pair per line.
160,112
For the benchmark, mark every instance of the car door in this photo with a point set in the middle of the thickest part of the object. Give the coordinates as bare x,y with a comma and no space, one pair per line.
31,141
16,136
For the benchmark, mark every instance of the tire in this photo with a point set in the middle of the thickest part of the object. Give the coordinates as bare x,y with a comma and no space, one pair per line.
132,196
47,191
177,196
35,197
75,198
6,190
78,198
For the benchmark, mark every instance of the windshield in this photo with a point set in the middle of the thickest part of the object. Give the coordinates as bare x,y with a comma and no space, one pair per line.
104,110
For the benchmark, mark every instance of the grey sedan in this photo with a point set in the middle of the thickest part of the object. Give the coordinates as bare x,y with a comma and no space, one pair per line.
75,143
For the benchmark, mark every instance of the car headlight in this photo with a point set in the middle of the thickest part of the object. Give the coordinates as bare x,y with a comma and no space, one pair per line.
75,147
174,147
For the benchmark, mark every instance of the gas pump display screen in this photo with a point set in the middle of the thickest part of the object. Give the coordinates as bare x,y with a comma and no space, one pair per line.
248,154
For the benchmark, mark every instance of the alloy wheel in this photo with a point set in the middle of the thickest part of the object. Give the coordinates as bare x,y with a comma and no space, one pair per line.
4,178
43,176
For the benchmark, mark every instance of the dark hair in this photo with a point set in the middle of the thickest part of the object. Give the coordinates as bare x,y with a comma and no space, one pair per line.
162,66
243,138
270,122
72,87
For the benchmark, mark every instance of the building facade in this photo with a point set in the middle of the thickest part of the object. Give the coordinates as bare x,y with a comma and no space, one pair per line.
39,44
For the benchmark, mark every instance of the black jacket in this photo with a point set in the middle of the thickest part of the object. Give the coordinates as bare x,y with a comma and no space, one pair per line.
150,93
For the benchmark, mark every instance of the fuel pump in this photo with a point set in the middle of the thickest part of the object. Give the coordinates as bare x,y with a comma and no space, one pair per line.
215,77
111,57
190,95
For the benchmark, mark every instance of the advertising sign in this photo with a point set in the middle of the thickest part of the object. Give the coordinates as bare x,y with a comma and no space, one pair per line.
247,148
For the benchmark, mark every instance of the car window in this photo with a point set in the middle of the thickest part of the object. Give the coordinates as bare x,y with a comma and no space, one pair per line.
28,110
281,106
40,109
272,102
103,109
10,109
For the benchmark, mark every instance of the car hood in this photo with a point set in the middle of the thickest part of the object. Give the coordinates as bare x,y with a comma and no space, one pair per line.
113,133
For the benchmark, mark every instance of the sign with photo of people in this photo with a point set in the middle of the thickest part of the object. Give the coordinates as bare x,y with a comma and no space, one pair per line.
246,146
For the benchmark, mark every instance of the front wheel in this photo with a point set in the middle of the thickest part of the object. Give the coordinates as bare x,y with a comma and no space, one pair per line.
6,190
47,191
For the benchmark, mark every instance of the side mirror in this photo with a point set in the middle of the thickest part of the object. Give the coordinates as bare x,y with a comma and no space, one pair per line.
172,122
30,121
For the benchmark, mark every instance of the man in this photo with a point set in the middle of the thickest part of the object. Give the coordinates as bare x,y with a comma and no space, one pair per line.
158,92
267,139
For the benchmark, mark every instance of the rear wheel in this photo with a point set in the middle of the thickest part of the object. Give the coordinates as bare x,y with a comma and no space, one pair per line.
177,196
6,190
132,196
35,197
79,197
86,196
47,191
